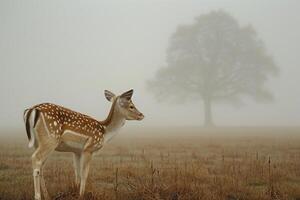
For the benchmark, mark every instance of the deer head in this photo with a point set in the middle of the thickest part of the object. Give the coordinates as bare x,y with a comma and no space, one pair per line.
124,105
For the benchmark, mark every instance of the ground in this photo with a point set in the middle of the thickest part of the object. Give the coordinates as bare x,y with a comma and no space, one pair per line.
160,163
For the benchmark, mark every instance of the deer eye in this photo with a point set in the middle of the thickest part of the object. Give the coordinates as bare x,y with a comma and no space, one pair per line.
131,107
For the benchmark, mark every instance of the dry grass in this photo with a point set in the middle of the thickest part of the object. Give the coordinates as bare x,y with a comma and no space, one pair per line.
224,163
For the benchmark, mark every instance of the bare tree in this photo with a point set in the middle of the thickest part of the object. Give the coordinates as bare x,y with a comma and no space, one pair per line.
214,59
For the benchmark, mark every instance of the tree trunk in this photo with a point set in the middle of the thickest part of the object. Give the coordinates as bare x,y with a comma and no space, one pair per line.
207,113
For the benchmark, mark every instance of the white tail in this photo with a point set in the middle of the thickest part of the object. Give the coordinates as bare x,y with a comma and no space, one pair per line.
29,119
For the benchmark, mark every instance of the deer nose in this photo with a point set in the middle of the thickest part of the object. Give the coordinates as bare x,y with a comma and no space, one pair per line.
141,116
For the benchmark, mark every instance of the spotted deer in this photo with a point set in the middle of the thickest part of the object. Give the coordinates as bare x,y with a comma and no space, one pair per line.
51,128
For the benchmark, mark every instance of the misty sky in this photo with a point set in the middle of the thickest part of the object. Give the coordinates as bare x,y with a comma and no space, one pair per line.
68,52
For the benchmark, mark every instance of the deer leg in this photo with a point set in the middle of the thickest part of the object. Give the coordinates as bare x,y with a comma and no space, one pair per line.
76,159
43,186
84,170
36,180
38,159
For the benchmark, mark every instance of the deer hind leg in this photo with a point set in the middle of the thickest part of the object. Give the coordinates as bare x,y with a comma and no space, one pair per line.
76,159
43,186
38,160
84,170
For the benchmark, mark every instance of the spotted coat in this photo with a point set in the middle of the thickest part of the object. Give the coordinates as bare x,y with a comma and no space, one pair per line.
59,119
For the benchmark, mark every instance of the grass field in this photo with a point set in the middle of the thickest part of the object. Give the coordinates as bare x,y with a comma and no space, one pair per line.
178,163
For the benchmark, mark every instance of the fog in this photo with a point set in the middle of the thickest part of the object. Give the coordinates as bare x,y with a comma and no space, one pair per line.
68,52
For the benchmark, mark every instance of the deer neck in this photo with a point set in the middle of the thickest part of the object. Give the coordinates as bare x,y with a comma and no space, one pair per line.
115,119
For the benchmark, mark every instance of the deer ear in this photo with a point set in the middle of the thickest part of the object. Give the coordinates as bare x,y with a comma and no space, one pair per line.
109,95
127,95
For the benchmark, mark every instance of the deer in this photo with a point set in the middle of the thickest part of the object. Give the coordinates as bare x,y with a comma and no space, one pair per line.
52,128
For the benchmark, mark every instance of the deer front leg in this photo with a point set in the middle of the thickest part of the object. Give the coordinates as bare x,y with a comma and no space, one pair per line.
84,170
76,159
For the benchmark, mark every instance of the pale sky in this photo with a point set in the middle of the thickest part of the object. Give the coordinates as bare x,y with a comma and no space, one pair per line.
68,52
